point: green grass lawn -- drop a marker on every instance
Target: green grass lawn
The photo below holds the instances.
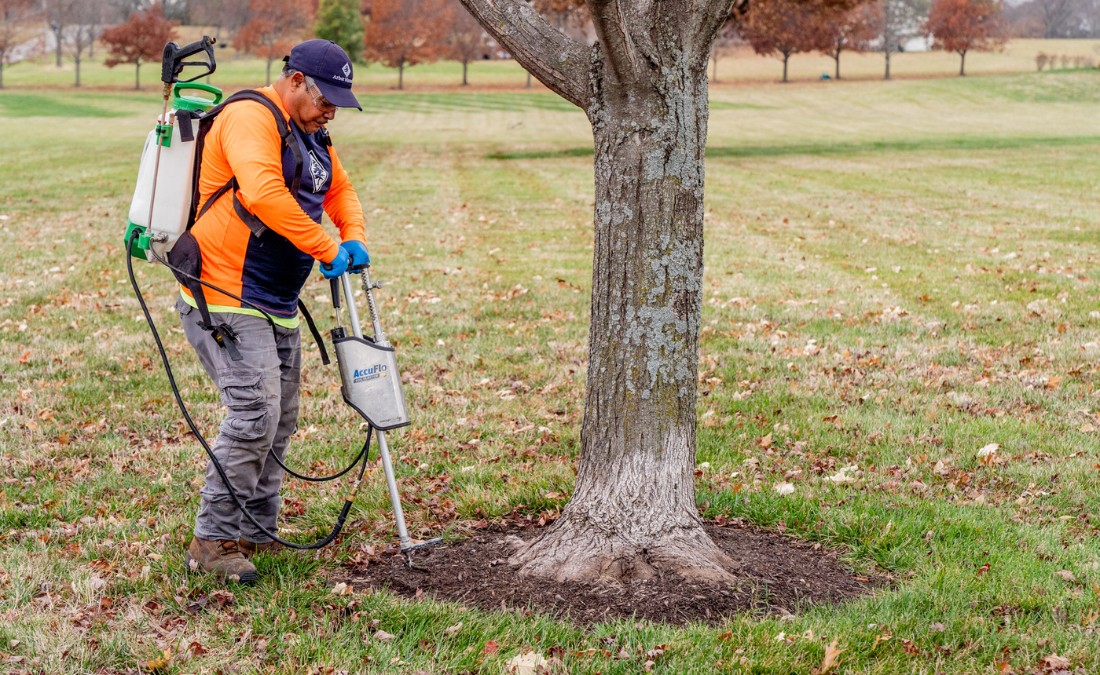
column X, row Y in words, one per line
column 899, row 276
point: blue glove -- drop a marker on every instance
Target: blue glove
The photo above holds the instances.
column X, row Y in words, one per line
column 358, row 253
column 338, row 266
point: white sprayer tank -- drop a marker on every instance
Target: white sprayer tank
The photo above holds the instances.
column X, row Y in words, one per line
column 163, row 212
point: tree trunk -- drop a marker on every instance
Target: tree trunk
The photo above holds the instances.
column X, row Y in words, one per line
column 633, row 512
column 401, row 74
column 644, row 88
column 57, row 51
column 714, row 70
column 962, row 64
column 137, row 76
column 77, row 61
column 465, row 66
column 837, row 59
column 528, row 80
column 1, row 70
column 887, row 75
column 786, row 58
column 269, row 60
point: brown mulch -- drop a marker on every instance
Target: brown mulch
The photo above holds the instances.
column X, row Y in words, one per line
column 778, row 574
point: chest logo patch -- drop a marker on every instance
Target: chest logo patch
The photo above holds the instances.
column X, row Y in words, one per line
column 317, row 172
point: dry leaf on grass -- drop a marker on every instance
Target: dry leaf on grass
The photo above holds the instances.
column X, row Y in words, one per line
column 832, row 653
column 527, row 663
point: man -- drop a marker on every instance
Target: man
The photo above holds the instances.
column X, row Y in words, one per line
column 259, row 241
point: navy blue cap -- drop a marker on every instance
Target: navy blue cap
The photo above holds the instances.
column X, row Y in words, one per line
column 329, row 66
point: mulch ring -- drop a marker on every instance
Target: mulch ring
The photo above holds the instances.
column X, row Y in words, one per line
column 778, row 575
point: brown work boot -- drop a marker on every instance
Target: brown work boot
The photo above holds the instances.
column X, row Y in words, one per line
column 221, row 558
column 251, row 548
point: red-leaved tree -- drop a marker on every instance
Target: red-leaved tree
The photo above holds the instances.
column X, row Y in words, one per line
column 961, row 26
column 141, row 39
column 401, row 33
column 784, row 28
column 273, row 27
column 851, row 29
column 465, row 39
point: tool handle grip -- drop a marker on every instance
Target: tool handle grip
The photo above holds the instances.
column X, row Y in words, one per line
column 334, row 286
column 172, row 60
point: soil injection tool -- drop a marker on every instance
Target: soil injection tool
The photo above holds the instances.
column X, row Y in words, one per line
column 161, row 211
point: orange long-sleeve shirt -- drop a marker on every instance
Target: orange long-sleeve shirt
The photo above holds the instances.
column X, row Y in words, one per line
column 269, row 271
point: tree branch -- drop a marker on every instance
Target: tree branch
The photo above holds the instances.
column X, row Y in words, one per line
column 713, row 13
column 558, row 61
column 614, row 38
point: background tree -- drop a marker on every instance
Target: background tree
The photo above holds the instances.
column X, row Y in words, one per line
column 785, row 27
column 568, row 16
column 140, row 39
column 401, row 33
column 58, row 14
column 342, row 22
column 901, row 19
column 82, row 20
column 230, row 15
column 727, row 39
column 849, row 28
column 961, row 26
column 273, row 28
column 465, row 39
column 16, row 19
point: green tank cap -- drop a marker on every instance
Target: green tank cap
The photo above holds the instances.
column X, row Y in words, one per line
column 182, row 101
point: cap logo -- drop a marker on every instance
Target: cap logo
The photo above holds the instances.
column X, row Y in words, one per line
column 347, row 70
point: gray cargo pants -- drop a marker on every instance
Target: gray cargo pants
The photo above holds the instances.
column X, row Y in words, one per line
column 260, row 395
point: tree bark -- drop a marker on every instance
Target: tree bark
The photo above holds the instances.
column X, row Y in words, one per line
column 401, row 74
column 644, row 88
column 137, row 76
column 465, row 65
column 887, row 75
column 786, row 58
column 837, row 59
column 962, row 64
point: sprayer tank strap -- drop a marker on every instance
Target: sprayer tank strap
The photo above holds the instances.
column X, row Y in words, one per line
column 286, row 136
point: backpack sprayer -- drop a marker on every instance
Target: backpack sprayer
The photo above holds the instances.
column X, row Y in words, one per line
column 162, row 211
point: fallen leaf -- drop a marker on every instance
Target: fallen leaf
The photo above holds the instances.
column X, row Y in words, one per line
column 765, row 442
column 383, row 636
column 491, row 647
column 527, row 663
column 1004, row 668
column 983, row 569
column 1066, row 575
column 25, row 357
column 784, row 488
column 1055, row 662
column 832, row 652
column 160, row 663
column 451, row 630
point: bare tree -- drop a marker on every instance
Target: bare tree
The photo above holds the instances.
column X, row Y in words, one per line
column 230, row 15
column 15, row 16
column 465, row 39
column 901, row 19
column 643, row 87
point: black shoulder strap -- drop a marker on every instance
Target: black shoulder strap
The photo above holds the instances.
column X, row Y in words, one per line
column 285, row 135
column 313, row 329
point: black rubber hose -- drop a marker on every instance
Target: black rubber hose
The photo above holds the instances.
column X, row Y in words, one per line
column 206, row 446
